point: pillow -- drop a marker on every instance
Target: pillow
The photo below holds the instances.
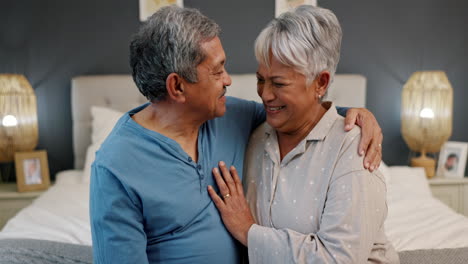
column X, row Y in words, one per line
column 104, row 120
column 90, row 156
column 408, row 183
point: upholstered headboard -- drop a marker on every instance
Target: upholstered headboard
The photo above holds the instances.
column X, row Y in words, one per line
column 120, row 93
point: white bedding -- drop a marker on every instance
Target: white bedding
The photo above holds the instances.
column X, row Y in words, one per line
column 415, row 219
column 60, row 214
column 424, row 224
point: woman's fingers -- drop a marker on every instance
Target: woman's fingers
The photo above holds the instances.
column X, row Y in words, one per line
column 216, row 199
column 228, row 178
column 237, row 181
column 236, row 214
column 374, row 152
column 228, row 181
column 223, row 188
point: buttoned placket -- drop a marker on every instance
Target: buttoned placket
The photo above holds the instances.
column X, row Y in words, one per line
column 199, row 168
column 278, row 166
column 272, row 160
column 198, row 165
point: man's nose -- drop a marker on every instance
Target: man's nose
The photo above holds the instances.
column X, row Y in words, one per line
column 227, row 79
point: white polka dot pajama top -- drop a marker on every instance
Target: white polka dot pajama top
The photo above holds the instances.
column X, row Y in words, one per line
column 317, row 205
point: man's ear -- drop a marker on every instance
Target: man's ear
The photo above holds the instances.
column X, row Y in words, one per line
column 175, row 87
column 322, row 82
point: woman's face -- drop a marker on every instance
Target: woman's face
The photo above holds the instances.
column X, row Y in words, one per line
column 288, row 101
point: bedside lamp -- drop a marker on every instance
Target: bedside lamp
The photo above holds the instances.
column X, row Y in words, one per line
column 18, row 116
column 426, row 115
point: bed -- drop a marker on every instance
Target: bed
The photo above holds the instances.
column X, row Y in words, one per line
column 55, row 228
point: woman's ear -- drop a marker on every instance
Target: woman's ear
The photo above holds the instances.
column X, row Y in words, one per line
column 322, row 83
column 175, row 86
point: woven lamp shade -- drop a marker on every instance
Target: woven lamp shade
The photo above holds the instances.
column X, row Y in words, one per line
column 18, row 116
column 426, row 112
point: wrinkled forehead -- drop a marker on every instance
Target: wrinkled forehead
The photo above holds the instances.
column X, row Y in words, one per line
column 213, row 52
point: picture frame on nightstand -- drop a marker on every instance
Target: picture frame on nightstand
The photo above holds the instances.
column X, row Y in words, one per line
column 32, row 171
column 452, row 159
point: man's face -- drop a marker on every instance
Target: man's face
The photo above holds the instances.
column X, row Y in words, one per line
column 206, row 97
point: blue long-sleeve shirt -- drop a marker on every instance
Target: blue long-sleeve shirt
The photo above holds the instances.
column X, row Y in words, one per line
column 149, row 200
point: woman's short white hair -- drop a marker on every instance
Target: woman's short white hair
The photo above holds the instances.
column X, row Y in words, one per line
column 307, row 38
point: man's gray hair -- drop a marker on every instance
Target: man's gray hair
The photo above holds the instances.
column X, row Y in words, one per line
column 169, row 42
column 307, row 39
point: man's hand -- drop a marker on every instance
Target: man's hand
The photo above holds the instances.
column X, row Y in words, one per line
column 371, row 136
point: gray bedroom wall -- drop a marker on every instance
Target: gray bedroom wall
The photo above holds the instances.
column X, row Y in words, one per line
column 52, row 41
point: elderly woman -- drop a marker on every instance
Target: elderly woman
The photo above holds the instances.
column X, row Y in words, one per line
column 311, row 198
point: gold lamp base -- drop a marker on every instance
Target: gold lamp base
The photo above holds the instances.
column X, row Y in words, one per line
column 427, row 163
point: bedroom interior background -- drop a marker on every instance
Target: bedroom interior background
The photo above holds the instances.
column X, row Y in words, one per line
column 18, row 120
column 52, row 41
column 426, row 116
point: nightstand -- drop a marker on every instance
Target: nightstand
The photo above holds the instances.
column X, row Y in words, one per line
column 451, row 191
column 12, row 201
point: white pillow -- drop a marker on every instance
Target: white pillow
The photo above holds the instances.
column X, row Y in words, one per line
column 104, row 120
column 408, row 183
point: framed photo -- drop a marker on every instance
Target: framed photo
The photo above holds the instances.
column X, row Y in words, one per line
column 148, row 7
column 282, row 6
column 452, row 159
column 32, row 171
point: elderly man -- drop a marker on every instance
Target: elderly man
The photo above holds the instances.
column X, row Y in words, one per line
column 149, row 200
